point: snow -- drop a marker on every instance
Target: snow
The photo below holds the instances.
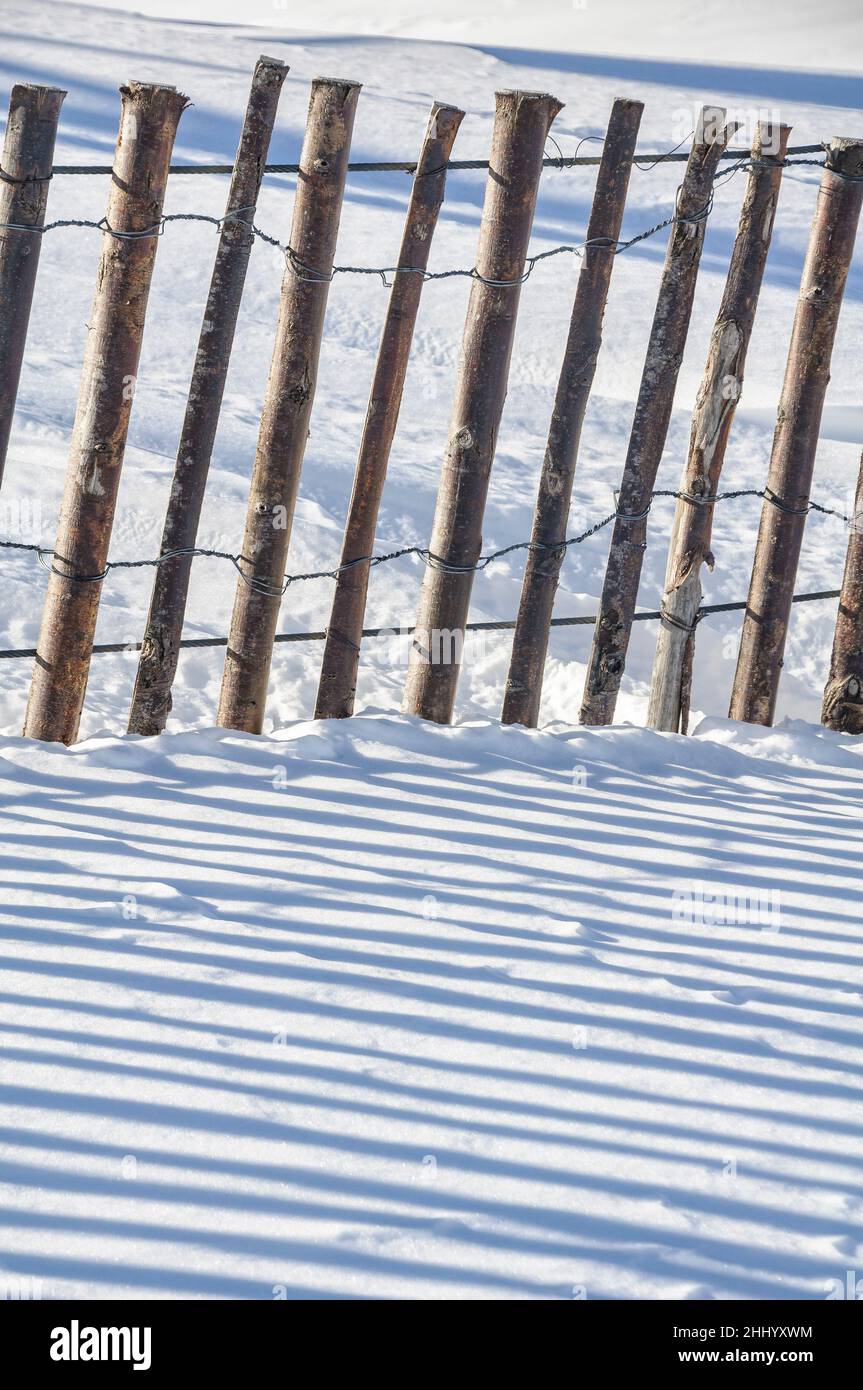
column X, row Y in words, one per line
column 389, row 1010
column 379, row 1009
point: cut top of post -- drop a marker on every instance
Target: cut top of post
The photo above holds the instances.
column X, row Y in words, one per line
column 770, row 140
column 149, row 116
column 845, row 157
column 325, row 137
column 20, row 88
column 522, row 122
column 28, row 143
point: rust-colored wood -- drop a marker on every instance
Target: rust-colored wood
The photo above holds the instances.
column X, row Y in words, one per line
column 288, row 403
column 789, row 477
column 522, row 122
column 843, row 695
column 160, row 651
column 542, row 570
column 650, row 425
column 338, row 679
column 25, row 174
column 148, row 125
column 712, row 418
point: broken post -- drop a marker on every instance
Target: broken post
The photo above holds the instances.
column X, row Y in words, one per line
column 288, row 403
column 652, row 415
column 148, row 125
column 25, row 175
column 542, row 570
column 338, row 679
column 160, row 650
column 717, row 400
column 789, row 477
column 842, row 709
column 522, row 122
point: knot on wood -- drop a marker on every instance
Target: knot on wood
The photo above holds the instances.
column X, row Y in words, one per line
column 461, row 441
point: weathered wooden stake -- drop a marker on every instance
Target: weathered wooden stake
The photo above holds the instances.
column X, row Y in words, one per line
column 843, row 694
column 522, row 122
column 530, row 641
column 151, row 701
column 148, row 125
column 288, row 403
column 717, row 399
column 789, row 477
column 25, row 174
column 652, row 414
column 338, row 680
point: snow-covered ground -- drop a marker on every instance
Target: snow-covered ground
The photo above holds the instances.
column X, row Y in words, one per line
column 387, row 1010
column 383, row 1009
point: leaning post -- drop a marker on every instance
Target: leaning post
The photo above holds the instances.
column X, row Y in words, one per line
column 842, row 709
column 338, row 678
column 652, row 415
column 712, row 418
column 160, row 649
column 542, row 570
column 25, row 176
column 521, row 126
column 288, row 403
column 148, row 125
column 792, row 462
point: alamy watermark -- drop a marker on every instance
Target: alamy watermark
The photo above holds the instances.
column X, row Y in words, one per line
column 727, row 905
column 21, row 519
column 706, row 123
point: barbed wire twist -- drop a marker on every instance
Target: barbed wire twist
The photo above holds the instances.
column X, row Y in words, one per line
column 422, row 552
column 304, row 271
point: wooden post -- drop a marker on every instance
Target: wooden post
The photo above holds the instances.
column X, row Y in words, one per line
column 25, row 174
column 148, row 125
column 717, row 399
column 789, row 477
column 338, row 679
column 288, row 403
column 650, row 425
column 530, row 640
column 160, row 650
column 522, row 122
column 842, row 709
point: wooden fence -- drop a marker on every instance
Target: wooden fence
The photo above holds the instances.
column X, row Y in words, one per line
column 133, row 222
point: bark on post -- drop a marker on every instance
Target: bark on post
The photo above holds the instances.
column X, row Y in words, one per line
column 338, row 679
column 650, row 425
column 288, row 403
column 148, row 125
column 160, row 651
column 789, row 477
column 25, row 174
column 842, row 709
column 522, row 122
column 530, row 640
column 717, row 399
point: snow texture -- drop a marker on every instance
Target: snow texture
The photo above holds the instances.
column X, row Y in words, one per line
column 389, row 1010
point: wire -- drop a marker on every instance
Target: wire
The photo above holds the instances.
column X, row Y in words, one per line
column 505, row 625
column 433, row 561
column 409, row 166
column 303, row 271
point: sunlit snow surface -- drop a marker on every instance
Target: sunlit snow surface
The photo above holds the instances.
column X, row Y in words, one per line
column 394, row 1010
